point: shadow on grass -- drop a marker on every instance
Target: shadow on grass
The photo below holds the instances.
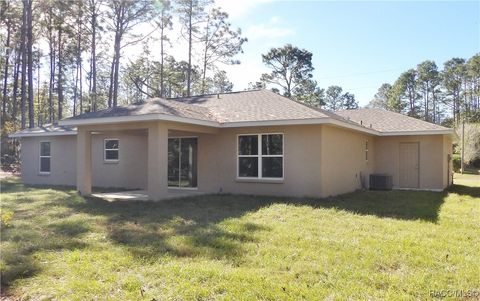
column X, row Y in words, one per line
column 35, row 228
column 191, row 227
column 182, row 227
column 20, row 243
column 465, row 190
column 397, row 204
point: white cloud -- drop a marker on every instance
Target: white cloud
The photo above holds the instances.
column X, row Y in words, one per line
column 274, row 20
column 239, row 8
column 248, row 71
column 272, row 29
column 267, row 31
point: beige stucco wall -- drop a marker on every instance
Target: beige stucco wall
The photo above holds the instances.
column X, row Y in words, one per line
column 343, row 162
column 217, row 167
column 319, row 160
column 131, row 169
column 129, row 172
column 432, row 159
column 62, row 162
column 447, row 164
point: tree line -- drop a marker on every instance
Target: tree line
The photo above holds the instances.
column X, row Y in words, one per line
column 443, row 96
column 291, row 75
column 64, row 58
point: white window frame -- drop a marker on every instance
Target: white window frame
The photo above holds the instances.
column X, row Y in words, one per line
column 259, row 155
column 110, row 149
column 40, row 160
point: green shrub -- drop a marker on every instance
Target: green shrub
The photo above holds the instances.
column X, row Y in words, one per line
column 6, row 218
column 456, row 160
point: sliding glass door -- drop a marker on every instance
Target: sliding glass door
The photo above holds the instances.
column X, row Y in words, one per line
column 182, row 162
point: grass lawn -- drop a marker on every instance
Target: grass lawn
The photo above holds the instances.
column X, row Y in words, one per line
column 365, row 245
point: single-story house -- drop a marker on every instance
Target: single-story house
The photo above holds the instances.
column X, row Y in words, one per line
column 250, row 142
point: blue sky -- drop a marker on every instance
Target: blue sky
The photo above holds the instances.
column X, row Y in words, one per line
column 356, row 45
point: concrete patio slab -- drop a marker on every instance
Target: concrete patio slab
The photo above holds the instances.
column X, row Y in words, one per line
column 142, row 195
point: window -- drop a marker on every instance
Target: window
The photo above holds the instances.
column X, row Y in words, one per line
column 182, row 162
column 366, row 150
column 260, row 156
column 45, row 156
column 111, row 150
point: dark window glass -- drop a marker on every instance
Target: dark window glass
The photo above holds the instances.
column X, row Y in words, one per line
column 173, row 162
column 45, row 164
column 188, row 162
column 248, row 167
column 111, row 144
column 272, row 167
column 272, row 144
column 248, row 145
column 182, row 162
column 111, row 155
column 45, row 149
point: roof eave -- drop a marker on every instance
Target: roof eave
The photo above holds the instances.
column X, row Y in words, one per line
column 165, row 117
column 42, row 134
column 236, row 124
column 138, row 118
column 418, row 133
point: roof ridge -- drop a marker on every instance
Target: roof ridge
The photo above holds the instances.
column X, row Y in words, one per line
column 213, row 94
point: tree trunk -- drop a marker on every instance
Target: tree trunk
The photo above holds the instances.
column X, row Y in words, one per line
column 60, row 79
column 112, row 91
column 23, row 83
column 162, row 54
column 51, row 80
column 454, row 110
column 189, row 71
column 116, row 73
column 93, row 65
column 78, row 62
column 39, row 103
column 205, row 53
column 15, row 90
column 31, row 111
column 412, row 105
column 5, row 75
column 75, row 89
column 426, row 103
column 81, row 88
column 110, row 88
column 434, row 108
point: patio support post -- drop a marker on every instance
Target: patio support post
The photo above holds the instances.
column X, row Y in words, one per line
column 157, row 161
column 84, row 162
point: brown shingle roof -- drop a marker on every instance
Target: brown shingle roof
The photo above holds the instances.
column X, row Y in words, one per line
column 228, row 109
column 46, row 129
column 387, row 121
column 152, row 106
column 255, row 105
